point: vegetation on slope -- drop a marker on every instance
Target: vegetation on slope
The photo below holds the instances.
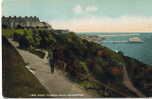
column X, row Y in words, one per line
column 17, row 80
column 95, row 67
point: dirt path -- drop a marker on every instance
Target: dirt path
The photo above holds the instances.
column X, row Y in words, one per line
column 127, row 82
column 55, row 83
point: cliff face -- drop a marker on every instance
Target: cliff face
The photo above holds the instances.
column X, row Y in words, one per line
column 17, row 80
column 23, row 22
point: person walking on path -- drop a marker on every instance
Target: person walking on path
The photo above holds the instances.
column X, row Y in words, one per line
column 52, row 58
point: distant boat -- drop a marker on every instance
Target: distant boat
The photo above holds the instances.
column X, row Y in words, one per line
column 116, row 51
column 135, row 40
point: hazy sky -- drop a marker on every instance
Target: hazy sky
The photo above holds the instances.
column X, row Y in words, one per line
column 87, row 15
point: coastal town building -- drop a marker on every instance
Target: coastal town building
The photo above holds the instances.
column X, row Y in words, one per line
column 24, row 22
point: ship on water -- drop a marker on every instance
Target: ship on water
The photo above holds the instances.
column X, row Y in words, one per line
column 135, row 40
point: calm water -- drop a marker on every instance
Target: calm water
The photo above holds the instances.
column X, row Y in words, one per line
column 140, row 51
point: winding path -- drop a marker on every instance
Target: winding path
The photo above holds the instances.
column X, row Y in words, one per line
column 127, row 82
column 56, row 83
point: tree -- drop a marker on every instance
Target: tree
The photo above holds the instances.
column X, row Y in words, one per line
column 19, row 27
column 16, row 36
column 24, row 42
column 4, row 26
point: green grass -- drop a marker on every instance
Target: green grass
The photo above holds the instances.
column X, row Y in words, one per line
column 9, row 32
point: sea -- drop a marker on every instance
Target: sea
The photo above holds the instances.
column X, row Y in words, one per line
column 118, row 42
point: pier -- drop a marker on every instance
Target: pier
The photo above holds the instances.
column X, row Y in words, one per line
column 115, row 41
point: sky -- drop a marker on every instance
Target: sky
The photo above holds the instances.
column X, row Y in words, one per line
column 86, row 15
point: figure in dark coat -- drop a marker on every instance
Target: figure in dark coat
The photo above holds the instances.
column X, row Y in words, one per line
column 52, row 59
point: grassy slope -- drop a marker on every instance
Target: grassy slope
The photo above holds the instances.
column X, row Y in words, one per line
column 104, row 66
column 140, row 75
column 9, row 32
column 17, row 80
column 93, row 65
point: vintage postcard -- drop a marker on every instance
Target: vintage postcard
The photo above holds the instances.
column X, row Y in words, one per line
column 76, row 48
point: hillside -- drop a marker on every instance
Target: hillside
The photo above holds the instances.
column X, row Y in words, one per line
column 56, row 83
column 94, row 67
column 17, row 80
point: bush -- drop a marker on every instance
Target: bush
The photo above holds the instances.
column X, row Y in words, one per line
column 16, row 36
column 24, row 42
column 83, row 67
column 29, row 38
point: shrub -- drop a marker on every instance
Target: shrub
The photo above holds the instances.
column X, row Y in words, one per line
column 16, row 36
column 83, row 67
column 24, row 42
